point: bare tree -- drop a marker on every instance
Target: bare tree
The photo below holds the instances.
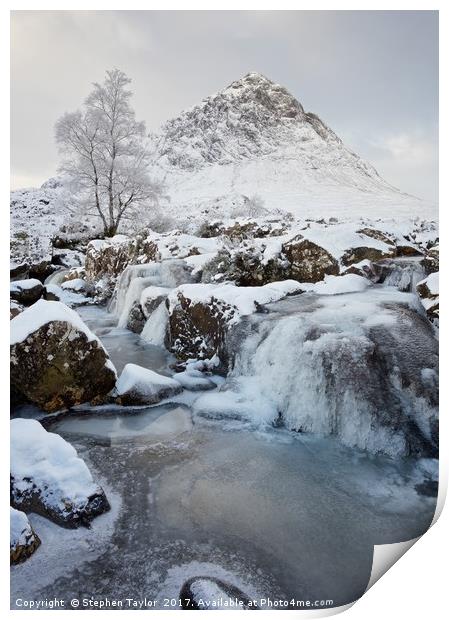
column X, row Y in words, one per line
column 106, row 154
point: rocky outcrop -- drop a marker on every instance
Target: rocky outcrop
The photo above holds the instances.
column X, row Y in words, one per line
column 109, row 257
column 212, row 593
column 48, row 477
column 56, row 361
column 308, row 261
column 23, row 539
column 245, row 229
column 26, row 292
column 245, row 267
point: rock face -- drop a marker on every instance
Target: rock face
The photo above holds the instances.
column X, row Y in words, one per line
column 309, row 262
column 56, row 362
column 48, row 477
column 109, row 257
column 211, row 593
column 23, row 539
column 26, row 292
column 141, row 386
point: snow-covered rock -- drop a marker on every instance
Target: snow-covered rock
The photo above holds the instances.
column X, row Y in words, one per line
column 23, row 539
column 26, row 292
column 109, row 257
column 142, row 386
column 213, row 594
column 56, row 361
column 201, row 314
column 14, row 309
column 309, row 261
column 429, row 294
column 48, row 477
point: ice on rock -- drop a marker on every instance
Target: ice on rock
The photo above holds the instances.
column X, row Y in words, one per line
column 336, row 365
column 141, row 386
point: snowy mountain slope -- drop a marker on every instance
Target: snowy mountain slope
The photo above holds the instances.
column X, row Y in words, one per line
column 254, row 138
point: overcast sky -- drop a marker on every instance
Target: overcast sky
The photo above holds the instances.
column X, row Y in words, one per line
column 372, row 76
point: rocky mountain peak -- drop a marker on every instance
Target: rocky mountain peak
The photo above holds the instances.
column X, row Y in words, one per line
column 264, row 92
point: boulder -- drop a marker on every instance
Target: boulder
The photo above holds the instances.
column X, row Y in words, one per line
column 26, row 292
column 150, row 299
column 19, row 271
column 361, row 253
column 200, row 315
column 213, row 594
column 428, row 291
column 48, row 477
column 56, row 361
column 23, row 539
column 142, row 386
column 309, row 262
column 136, row 318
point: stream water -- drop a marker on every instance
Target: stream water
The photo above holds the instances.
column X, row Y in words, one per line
column 279, row 514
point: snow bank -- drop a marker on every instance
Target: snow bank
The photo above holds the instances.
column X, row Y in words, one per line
column 43, row 312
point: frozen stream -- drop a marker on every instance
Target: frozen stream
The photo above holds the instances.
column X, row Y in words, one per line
column 277, row 513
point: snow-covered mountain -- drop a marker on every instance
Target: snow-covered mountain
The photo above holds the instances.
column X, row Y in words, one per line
column 254, row 139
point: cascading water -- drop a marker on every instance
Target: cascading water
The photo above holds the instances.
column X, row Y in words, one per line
column 135, row 278
column 360, row 366
column 404, row 273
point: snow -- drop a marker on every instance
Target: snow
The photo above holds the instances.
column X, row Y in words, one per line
column 336, row 285
column 20, row 528
column 144, row 381
column 23, row 285
column 212, row 164
column 43, row 312
column 242, row 298
column 77, row 284
column 67, row 297
column 46, row 461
